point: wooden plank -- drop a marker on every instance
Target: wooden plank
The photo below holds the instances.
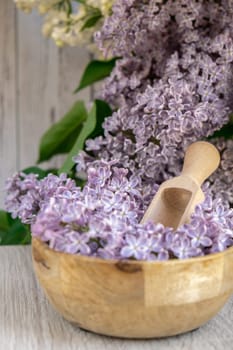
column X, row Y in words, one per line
column 71, row 64
column 8, row 115
column 47, row 77
column 37, row 86
column 28, row 322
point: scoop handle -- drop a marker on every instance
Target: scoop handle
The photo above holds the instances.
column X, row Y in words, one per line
column 201, row 160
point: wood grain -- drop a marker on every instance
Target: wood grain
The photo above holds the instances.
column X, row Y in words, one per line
column 28, row 322
column 47, row 78
column 134, row 299
column 176, row 199
column 37, row 64
column 37, row 83
column 8, row 116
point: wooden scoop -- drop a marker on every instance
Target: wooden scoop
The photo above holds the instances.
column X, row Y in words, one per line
column 176, row 199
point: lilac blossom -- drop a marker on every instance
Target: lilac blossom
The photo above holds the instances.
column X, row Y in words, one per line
column 27, row 194
column 103, row 219
column 221, row 181
column 172, row 85
column 134, row 247
column 78, row 243
column 183, row 249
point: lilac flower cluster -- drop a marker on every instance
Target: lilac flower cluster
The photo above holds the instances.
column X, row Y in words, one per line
column 222, row 180
column 154, row 31
column 173, row 84
column 26, row 194
column 102, row 220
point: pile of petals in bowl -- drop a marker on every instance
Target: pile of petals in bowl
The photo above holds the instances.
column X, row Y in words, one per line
column 103, row 218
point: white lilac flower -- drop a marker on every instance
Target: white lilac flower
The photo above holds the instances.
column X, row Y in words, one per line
column 25, row 5
column 65, row 20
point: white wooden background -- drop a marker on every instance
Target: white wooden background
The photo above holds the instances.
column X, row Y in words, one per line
column 36, row 84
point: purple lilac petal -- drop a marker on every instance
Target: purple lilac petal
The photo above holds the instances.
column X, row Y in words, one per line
column 172, row 86
column 75, row 221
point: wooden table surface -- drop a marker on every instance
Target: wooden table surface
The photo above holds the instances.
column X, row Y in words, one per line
column 27, row 321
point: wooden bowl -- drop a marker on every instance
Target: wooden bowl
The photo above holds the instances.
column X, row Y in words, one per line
column 134, row 299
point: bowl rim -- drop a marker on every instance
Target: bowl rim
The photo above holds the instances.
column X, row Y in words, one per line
column 89, row 259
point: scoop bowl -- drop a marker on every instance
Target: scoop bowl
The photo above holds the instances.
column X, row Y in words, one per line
column 134, row 299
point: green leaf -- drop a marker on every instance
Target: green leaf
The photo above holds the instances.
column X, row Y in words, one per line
column 35, row 170
column 97, row 115
column 40, row 172
column 68, row 143
column 18, row 234
column 4, row 224
column 226, row 131
column 96, row 71
column 91, row 20
column 12, row 231
column 62, row 135
column 91, row 128
column 80, row 182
